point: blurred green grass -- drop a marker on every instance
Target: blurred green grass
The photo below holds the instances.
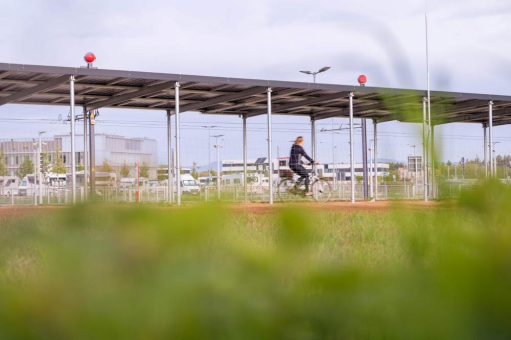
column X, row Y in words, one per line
column 97, row 272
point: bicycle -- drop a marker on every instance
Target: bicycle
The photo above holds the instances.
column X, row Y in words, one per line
column 289, row 190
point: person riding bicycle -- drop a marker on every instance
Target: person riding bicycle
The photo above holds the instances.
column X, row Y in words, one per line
column 295, row 163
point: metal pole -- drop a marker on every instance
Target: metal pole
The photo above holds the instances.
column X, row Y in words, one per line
column 34, row 186
column 39, row 151
column 432, row 158
column 313, row 144
column 375, row 124
column 270, row 162
column 364, row 158
column 245, row 178
column 415, row 161
column 313, row 139
column 85, row 165
column 178, row 160
column 352, row 151
column 371, row 192
column 490, row 129
column 209, row 153
column 73, row 154
column 218, row 171
column 485, row 143
column 333, row 155
column 92, row 156
column 425, row 149
column 170, row 177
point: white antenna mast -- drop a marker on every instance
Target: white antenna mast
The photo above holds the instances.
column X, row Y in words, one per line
column 427, row 65
column 428, row 155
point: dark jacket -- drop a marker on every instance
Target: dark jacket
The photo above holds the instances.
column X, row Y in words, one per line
column 296, row 156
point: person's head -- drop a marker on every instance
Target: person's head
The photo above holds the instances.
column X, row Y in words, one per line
column 299, row 140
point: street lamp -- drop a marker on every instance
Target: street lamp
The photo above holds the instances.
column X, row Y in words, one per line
column 218, row 177
column 209, row 127
column 415, row 161
column 324, row 69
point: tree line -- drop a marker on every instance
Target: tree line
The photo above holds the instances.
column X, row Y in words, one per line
column 56, row 165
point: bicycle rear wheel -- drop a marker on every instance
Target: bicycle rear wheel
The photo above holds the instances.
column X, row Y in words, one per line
column 321, row 189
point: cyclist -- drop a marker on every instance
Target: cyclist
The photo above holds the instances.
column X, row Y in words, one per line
column 295, row 163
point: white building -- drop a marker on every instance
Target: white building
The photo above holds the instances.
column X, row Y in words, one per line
column 117, row 150
column 342, row 170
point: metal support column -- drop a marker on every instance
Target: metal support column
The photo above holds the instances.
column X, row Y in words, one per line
column 73, row 153
column 432, row 159
column 485, row 147
column 375, row 158
column 270, row 160
column 178, row 159
column 352, row 151
column 313, row 139
column 39, row 163
column 92, row 156
column 170, row 173
column 424, row 149
column 218, row 170
column 85, row 163
column 490, row 135
column 364, row 158
column 245, row 179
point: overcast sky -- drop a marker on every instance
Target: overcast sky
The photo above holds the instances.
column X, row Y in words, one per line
column 270, row 40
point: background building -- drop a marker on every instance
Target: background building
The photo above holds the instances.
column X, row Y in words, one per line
column 342, row 170
column 116, row 150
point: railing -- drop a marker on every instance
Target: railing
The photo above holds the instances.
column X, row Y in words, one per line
column 255, row 194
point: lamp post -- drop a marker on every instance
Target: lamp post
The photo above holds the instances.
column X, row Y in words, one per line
column 415, row 163
column 35, row 174
column 321, row 70
column 39, row 151
column 371, row 167
column 218, row 170
column 209, row 127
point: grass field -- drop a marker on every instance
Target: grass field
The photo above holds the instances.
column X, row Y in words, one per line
column 214, row 272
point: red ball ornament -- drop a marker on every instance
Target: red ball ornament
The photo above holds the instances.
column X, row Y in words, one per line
column 89, row 57
column 362, row 79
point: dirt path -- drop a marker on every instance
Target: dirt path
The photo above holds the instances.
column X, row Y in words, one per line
column 374, row 207
column 255, row 208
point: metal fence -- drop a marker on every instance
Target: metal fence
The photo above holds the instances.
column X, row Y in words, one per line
column 256, row 194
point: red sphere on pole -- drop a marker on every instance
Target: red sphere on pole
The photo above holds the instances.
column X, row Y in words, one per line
column 362, row 79
column 89, row 57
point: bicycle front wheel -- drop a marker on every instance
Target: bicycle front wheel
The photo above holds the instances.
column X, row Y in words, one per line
column 321, row 189
column 287, row 191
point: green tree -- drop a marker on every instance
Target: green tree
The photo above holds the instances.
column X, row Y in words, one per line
column 26, row 167
column 3, row 167
column 144, row 170
column 46, row 166
column 105, row 167
column 161, row 173
column 125, row 170
column 194, row 172
column 81, row 167
column 58, row 166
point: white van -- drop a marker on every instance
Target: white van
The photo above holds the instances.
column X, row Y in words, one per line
column 128, row 182
column 27, row 186
column 189, row 185
column 9, row 185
